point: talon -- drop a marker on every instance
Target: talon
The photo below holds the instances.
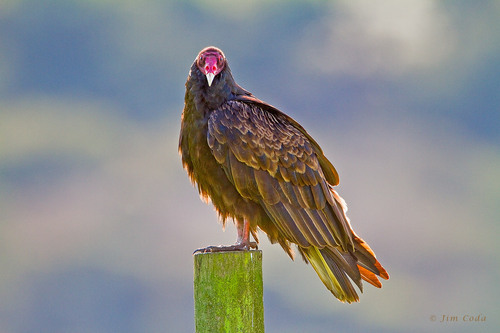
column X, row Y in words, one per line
column 253, row 245
column 202, row 250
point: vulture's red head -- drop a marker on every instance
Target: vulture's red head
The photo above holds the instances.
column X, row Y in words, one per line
column 211, row 61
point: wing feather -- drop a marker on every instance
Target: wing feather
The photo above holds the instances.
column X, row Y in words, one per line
column 320, row 223
column 282, row 219
column 267, row 186
column 319, row 197
column 288, row 194
column 321, row 239
column 307, row 196
column 313, row 235
column 244, row 182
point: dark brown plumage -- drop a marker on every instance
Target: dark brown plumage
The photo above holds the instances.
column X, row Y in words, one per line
column 262, row 169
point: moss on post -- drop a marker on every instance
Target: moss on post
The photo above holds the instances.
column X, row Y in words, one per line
column 228, row 295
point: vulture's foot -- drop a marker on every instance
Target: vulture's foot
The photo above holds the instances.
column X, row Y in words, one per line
column 246, row 246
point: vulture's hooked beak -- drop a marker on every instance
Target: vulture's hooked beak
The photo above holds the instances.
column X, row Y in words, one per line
column 210, row 78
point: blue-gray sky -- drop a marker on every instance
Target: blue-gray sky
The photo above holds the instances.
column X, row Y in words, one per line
column 98, row 220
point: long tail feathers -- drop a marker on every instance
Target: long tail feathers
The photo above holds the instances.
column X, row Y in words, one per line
column 332, row 271
column 368, row 262
column 337, row 268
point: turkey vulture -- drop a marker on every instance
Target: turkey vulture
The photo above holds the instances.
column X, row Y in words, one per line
column 261, row 168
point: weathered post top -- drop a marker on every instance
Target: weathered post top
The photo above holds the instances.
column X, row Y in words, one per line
column 228, row 292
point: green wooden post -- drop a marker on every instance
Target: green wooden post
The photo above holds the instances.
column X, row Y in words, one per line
column 228, row 295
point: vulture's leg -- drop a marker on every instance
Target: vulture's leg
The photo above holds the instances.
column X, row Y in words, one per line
column 243, row 242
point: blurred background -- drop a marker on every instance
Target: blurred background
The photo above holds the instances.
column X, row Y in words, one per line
column 98, row 220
